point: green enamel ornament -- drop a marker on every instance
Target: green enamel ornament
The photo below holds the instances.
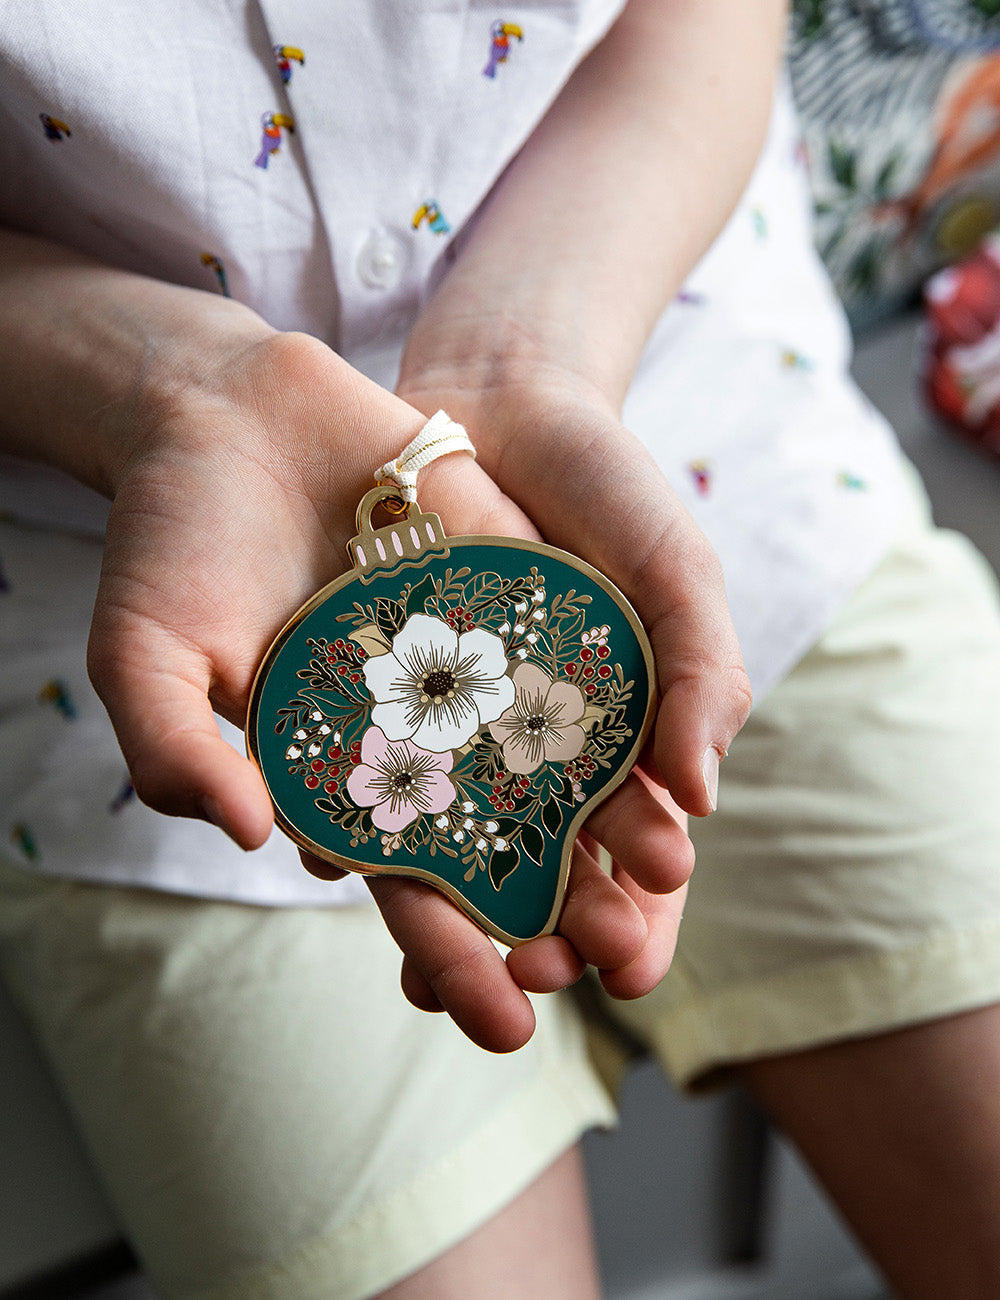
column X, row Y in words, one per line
column 453, row 708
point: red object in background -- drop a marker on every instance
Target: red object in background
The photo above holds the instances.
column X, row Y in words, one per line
column 961, row 363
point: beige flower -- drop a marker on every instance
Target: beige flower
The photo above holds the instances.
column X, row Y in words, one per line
column 543, row 723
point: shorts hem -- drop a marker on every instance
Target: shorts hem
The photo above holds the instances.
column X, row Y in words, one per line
column 419, row 1222
column 699, row 1041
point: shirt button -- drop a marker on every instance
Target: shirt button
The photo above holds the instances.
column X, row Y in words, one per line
column 381, row 260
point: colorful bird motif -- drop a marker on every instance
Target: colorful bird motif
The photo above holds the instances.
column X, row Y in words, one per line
column 270, row 141
column 500, row 34
column 284, row 56
column 25, row 841
column 53, row 128
column 432, row 214
column 701, row 473
column 124, row 796
column 57, row 693
column 211, row 261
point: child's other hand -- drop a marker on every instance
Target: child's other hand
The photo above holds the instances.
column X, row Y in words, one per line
column 556, row 448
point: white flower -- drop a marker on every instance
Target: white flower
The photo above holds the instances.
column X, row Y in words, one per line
column 437, row 687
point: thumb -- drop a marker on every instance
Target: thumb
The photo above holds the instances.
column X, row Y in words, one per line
column 620, row 514
column 156, row 694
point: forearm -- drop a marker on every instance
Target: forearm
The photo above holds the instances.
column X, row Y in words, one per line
column 84, row 344
column 619, row 191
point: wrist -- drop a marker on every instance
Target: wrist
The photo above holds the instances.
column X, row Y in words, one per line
column 118, row 345
column 489, row 362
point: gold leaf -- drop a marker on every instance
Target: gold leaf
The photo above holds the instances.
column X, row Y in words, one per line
column 371, row 639
column 592, row 715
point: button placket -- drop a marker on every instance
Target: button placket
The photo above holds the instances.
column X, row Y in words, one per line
column 381, row 260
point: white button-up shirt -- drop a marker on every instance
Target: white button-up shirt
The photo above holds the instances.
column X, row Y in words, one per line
column 320, row 163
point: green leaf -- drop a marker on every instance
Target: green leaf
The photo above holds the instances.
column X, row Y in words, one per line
column 532, row 842
column 389, row 616
column 843, row 164
column 502, row 863
column 552, row 817
column 418, row 596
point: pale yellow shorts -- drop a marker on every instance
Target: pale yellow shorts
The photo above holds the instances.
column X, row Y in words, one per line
column 273, row 1120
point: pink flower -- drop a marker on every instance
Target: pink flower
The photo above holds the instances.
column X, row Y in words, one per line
column 543, row 723
column 399, row 781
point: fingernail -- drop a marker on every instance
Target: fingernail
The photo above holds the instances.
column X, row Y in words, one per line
column 710, row 775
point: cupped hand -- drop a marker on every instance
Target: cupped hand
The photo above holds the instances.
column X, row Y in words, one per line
column 551, row 439
column 234, row 493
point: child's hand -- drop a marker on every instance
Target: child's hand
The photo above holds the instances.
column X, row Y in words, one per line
column 555, row 447
column 234, row 493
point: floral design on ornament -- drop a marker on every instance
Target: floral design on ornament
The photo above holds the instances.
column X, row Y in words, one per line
column 492, row 773
column 399, row 781
column 543, row 723
column 437, row 687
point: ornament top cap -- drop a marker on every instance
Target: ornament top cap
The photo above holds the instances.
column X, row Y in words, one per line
column 407, row 542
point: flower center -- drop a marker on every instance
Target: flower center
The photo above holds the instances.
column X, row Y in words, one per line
column 437, row 685
column 535, row 724
column 402, row 781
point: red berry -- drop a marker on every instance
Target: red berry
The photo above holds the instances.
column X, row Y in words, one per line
column 509, row 806
column 354, row 677
column 588, row 671
column 317, row 765
column 603, row 652
column 334, row 751
column 571, row 669
column 331, row 787
column 586, row 653
column 604, row 671
column 312, row 782
column 590, row 689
